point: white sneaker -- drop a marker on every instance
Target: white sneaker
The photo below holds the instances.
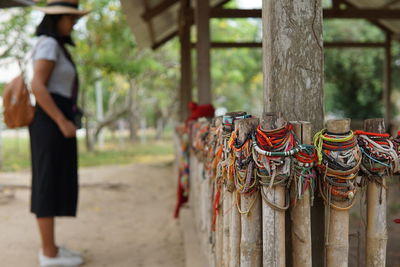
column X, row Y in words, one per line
column 64, row 258
column 66, row 251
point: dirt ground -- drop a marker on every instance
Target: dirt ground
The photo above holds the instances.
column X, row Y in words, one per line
column 357, row 228
column 124, row 219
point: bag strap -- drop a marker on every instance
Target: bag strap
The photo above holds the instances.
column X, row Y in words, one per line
column 28, row 61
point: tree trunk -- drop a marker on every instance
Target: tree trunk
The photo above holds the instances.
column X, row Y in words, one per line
column 293, row 60
column 133, row 118
column 88, row 140
column 293, row 76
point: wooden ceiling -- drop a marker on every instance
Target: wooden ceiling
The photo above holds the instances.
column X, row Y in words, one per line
column 154, row 22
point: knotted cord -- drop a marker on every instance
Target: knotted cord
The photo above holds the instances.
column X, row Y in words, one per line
column 243, row 170
column 303, row 173
column 200, row 134
column 379, row 157
column 224, row 165
column 271, row 149
column 339, row 160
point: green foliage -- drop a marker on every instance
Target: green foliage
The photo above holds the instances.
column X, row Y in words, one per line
column 353, row 83
column 353, row 77
column 107, row 54
column 237, row 73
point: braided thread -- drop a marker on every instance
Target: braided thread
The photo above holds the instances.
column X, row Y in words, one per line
column 339, row 160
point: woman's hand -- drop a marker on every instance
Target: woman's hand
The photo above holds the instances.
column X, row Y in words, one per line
column 43, row 70
column 67, row 128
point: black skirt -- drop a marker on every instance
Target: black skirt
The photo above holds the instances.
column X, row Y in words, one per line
column 54, row 164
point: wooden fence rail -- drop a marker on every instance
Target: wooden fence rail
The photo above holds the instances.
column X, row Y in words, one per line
column 240, row 212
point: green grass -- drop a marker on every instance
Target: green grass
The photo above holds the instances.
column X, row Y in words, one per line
column 16, row 153
column 154, row 152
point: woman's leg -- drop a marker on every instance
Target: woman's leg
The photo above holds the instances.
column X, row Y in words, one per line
column 46, row 229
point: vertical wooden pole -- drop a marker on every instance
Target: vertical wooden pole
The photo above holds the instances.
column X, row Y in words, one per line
column 220, row 233
column 301, row 213
column 185, row 92
column 193, row 199
column 337, row 242
column 376, row 240
column 251, row 233
column 273, row 227
column 99, row 111
column 227, row 202
column 202, row 14
column 336, row 4
column 236, row 227
column 213, row 190
column 293, row 59
column 387, row 88
column 293, row 76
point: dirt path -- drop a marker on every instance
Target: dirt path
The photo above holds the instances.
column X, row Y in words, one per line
column 124, row 220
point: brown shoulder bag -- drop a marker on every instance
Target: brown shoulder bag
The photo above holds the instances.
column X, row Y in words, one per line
column 18, row 110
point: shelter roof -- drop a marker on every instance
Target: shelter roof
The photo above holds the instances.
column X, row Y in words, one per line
column 392, row 25
column 154, row 22
column 15, row 3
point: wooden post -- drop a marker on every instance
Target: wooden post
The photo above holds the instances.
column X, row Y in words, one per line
column 220, row 245
column 213, row 235
column 293, row 76
column 301, row 213
column 220, row 233
column 273, row 221
column 250, row 237
column 387, row 88
column 337, row 239
column 193, row 199
column 235, row 220
column 185, row 93
column 202, row 192
column 203, row 51
column 227, row 202
column 376, row 239
column 227, row 216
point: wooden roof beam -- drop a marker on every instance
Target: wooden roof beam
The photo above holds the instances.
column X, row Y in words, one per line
column 235, row 13
column 393, row 2
column 158, row 9
column 326, row 45
column 354, row 44
column 164, row 40
column 353, row 13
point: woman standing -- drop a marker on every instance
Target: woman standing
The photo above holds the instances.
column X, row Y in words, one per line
column 53, row 130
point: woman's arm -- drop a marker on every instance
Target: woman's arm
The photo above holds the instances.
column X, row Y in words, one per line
column 41, row 76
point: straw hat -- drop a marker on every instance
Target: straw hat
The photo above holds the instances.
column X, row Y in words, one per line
column 55, row 7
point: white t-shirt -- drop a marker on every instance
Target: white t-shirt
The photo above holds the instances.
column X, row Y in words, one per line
column 62, row 78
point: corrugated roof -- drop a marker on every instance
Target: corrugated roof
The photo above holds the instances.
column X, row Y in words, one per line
column 160, row 27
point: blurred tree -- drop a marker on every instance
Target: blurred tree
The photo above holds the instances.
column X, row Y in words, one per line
column 353, row 77
column 15, row 34
column 237, row 72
